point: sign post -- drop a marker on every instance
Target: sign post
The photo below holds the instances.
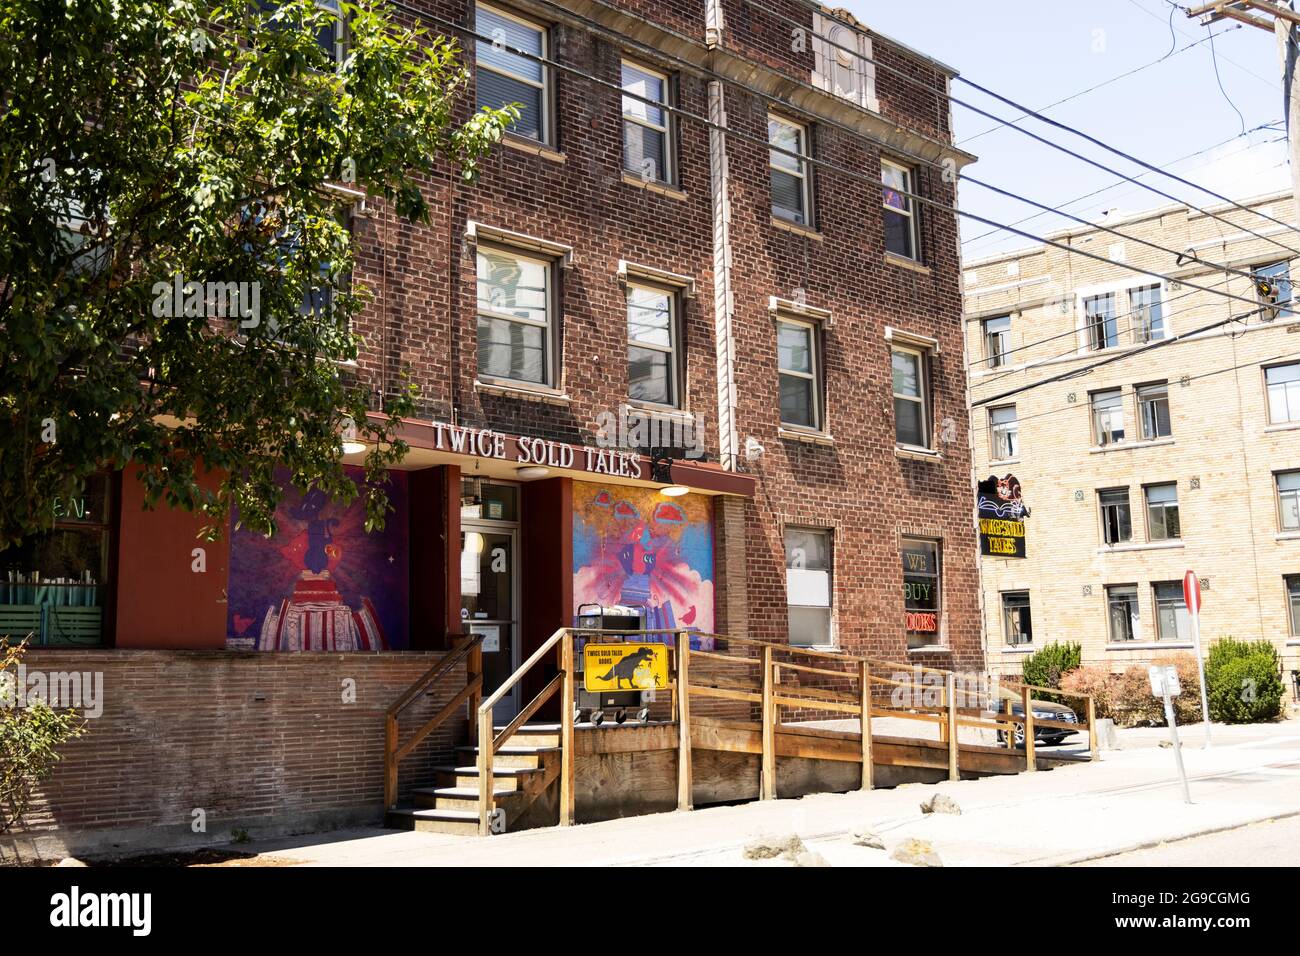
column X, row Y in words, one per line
column 1192, row 598
column 1164, row 683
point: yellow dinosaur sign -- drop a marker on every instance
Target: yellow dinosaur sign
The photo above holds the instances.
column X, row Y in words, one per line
column 609, row 667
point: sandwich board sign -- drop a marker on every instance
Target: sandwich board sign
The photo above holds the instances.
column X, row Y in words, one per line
column 614, row 667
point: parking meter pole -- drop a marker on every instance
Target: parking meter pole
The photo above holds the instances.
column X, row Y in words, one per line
column 1178, row 749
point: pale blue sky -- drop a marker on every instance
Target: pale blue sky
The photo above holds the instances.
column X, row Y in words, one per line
column 1040, row 52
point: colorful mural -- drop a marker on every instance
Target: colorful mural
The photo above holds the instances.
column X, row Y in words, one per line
column 321, row 583
column 635, row 547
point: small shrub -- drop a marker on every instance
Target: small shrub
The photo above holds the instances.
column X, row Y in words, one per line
column 1046, row 667
column 1126, row 697
column 1095, row 680
column 1243, row 682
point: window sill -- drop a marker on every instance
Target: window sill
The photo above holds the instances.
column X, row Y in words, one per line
column 1283, row 427
column 1152, row 646
column 809, row 437
column 807, row 232
column 1142, row 546
column 545, row 395
column 1019, row 649
column 930, row 649
column 1287, row 536
column 1293, row 642
column 532, row 147
column 1002, row 462
column 654, row 186
column 894, row 259
column 821, row 648
column 1126, row 445
column 662, row 411
column 917, row 454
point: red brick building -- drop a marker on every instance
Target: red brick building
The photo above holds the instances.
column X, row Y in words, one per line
column 650, row 247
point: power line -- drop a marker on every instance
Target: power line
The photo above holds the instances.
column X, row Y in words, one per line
column 1263, row 79
column 1214, row 58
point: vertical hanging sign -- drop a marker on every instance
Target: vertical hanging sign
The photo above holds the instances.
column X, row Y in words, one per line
column 1001, row 512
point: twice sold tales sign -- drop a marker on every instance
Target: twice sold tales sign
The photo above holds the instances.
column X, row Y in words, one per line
column 1001, row 511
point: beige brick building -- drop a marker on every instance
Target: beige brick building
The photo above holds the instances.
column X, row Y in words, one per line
column 1183, row 456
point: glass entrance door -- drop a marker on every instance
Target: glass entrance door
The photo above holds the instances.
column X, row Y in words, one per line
column 489, row 600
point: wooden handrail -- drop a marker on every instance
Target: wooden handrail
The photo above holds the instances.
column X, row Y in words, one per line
column 450, row 660
column 521, row 718
column 509, row 683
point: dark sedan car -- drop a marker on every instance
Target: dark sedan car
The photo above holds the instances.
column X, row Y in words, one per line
column 1043, row 710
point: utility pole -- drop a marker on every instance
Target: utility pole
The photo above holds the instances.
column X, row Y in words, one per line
column 1283, row 24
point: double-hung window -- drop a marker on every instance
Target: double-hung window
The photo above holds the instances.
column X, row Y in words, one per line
column 808, row 585
column 1116, row 518
column 647, row 126
column 1146, row 313
column 799, row 370
column 504, row 77
column 1122, row 613
column 652, row 345
column 1108, row 417
column 1162, row 512
column 1172, row 620
column 899, row 209
column 1293, row 602
column 1017, row 624
column 1283, row 385
column 791, row 196
column 1153, row 410
column 1101, row 322
column 1004, row 433
column 1288, row 500
column 911, row 398
column 516, row 317
column 997, row 340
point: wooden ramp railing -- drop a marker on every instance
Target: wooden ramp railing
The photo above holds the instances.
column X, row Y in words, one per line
column 469, row 649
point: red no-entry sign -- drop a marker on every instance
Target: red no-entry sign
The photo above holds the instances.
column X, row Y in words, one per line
column 1192, row 592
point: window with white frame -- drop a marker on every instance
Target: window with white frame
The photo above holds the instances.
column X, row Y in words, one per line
column 1153, row 410
column 791, row 195
column 1163, row 523
column 330, row 35
column 1146, row 313
column 899, row 209
column 799, row 370
column 1282, row 383
column 911, row 397
column 1124, row 623
column 505, row 77
column 516, row 316
column 1116, row 517
column 1288, row 500
column 647, row 126
column 1017, row 623
column 652, row 357
column 1107, row 416
column 922, row 596
column 1293, row 602
column 1101, row 322
column 1004, row 433
column 1276, row 278
column 997, row 341
column 808, row 585
column 1172, row 620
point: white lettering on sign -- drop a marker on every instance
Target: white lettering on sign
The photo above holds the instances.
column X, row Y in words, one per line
column 486, row 443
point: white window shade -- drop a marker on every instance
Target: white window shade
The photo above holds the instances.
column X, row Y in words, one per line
column 808, row 588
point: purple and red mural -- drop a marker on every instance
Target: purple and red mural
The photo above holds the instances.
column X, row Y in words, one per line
column 635, row 547
column 321, row 583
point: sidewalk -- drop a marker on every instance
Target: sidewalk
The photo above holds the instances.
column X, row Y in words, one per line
column 1130, row 799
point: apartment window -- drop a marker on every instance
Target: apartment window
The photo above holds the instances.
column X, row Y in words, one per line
column 329, row 36
column 1004, row 433
column 997, row 340
column 789, row 174
column 647, row 130
column 652, row 345
column 900, row 214
column 1288, row 500
column 1283, row 385
column 1153, row 410
column 1162, row 512
column 1122, row 613
column 1116, row 519
column 515, row 317
column 1100, row 321
column 799, row 370
column 1172, row 620
column 1277, row 274
column 505, row 77
column 921, row 591
column 911, row 398
column 1293, row 602
column 1017, row 623
column 1146, row 313
column 1108, row 417
column 808, row 585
